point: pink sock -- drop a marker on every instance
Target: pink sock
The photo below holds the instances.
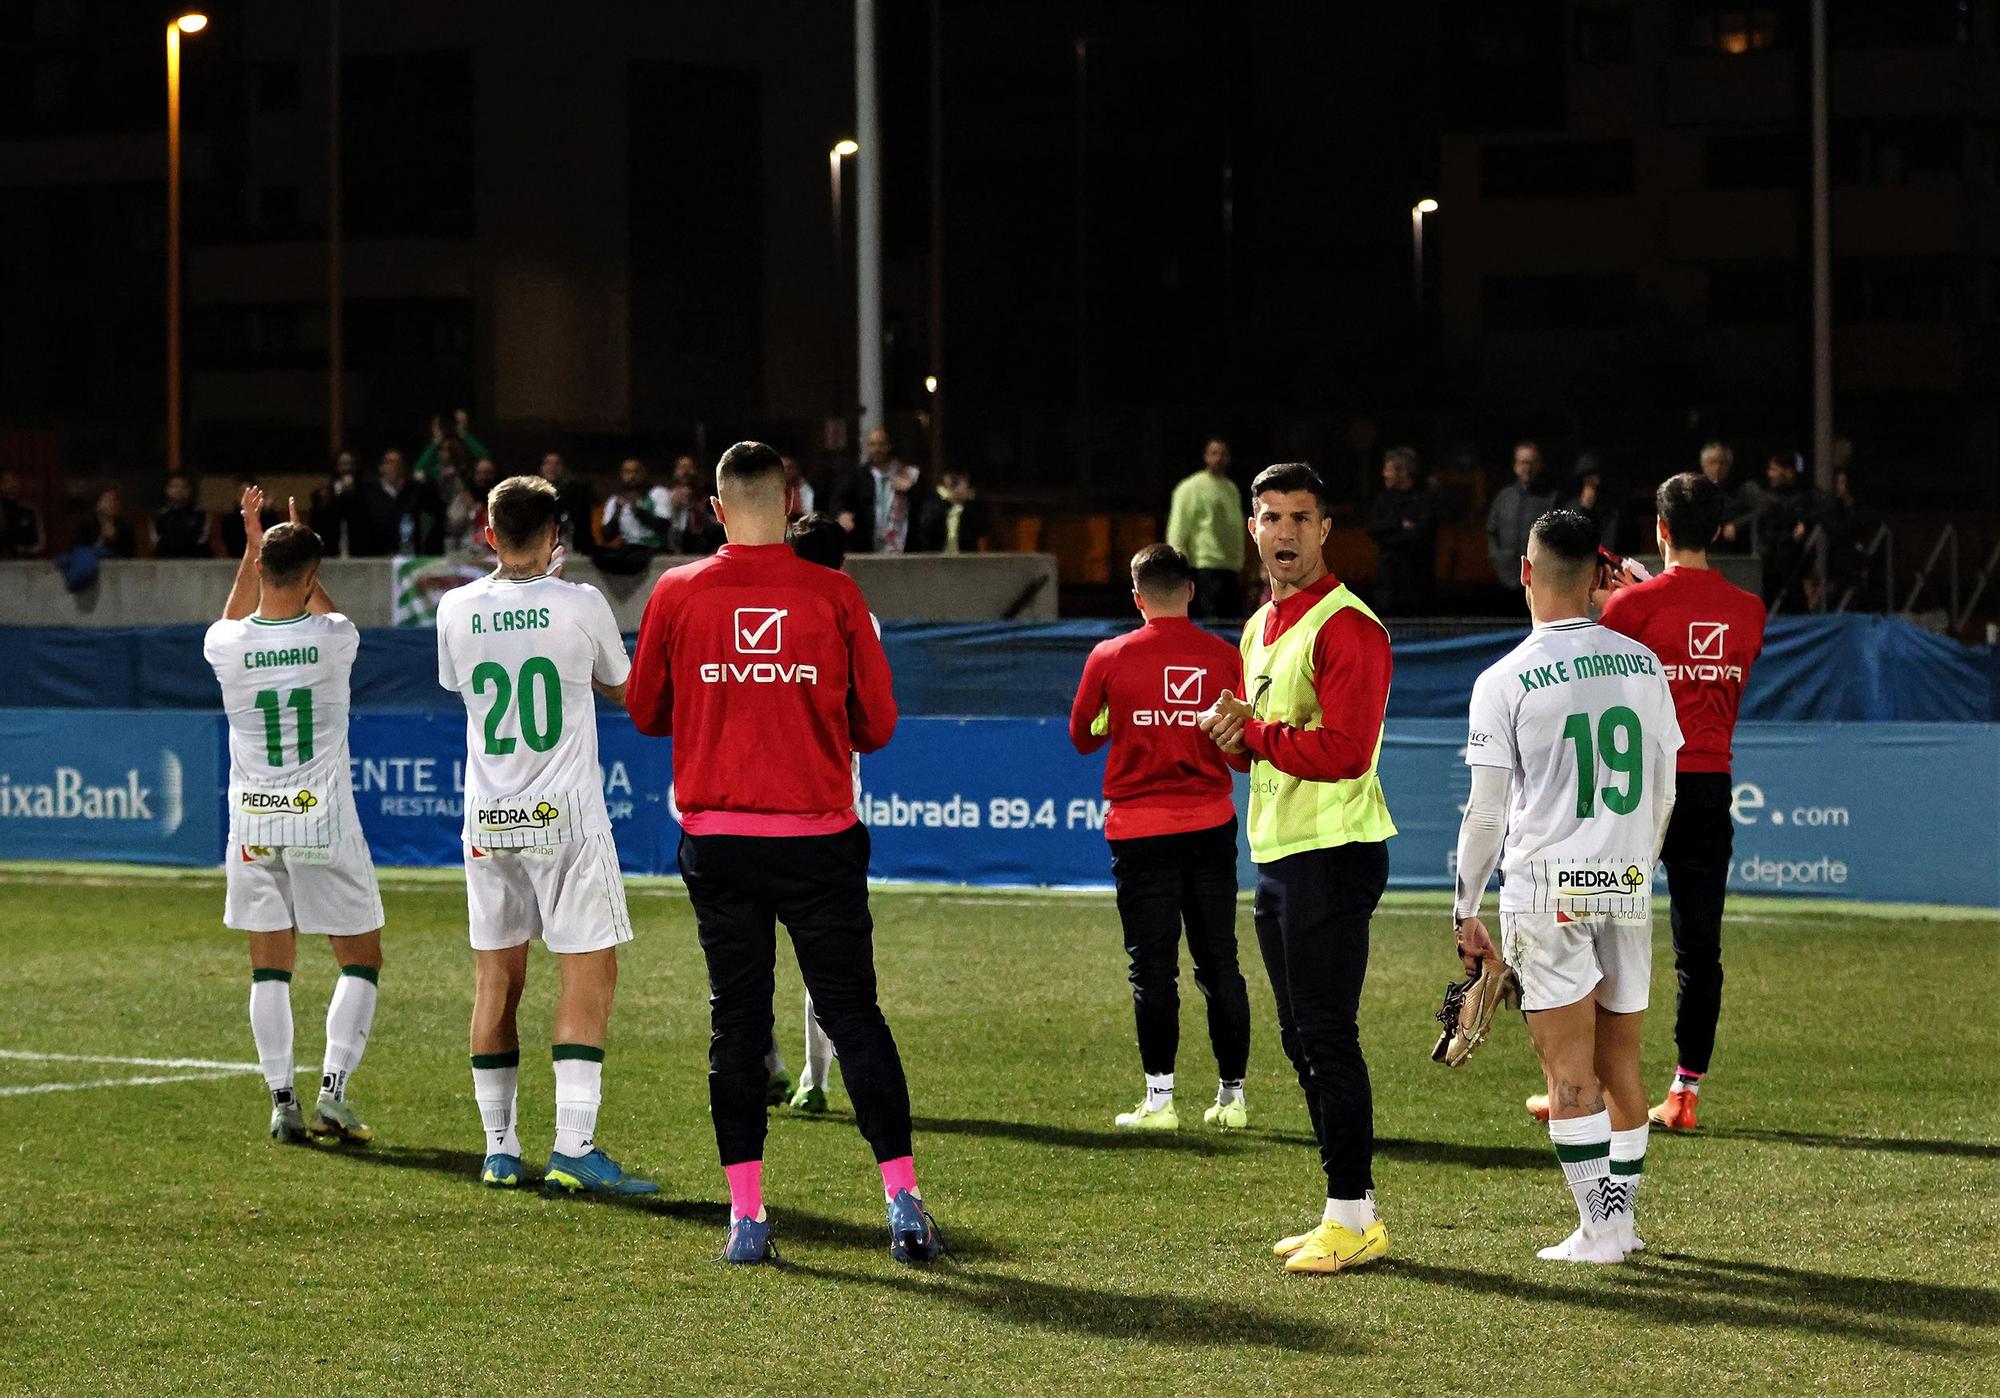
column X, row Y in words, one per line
column 746, row 1189
column 899, row 1174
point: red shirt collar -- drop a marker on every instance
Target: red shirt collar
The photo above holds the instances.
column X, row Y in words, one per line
column 1285, row 614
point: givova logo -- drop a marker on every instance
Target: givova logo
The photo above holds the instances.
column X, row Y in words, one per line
column 68, row 795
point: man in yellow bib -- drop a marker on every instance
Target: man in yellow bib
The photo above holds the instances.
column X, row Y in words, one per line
column 1317, row 666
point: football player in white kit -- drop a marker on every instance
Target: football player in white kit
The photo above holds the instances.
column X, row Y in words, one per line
column 297, row 860
column 1572, row 745
column 525, row 650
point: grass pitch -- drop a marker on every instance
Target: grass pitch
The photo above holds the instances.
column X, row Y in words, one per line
column 1832, row 1228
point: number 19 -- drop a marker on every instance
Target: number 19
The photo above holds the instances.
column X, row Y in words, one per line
column 1618, row 741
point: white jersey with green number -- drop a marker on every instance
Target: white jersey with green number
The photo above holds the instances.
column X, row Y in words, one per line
column 522, row 655
column 1584, row 720
column 285, row 692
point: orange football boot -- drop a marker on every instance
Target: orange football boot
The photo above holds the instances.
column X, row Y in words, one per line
column 1676, row 1113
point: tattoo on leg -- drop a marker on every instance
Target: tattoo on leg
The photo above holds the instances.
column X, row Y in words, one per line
column 1575, row 1099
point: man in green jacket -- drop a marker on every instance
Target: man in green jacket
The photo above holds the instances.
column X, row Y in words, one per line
column 1205, row 522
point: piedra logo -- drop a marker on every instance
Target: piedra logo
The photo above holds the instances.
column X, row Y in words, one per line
column 501, row 817
column 277, row 803
column 1599, row 881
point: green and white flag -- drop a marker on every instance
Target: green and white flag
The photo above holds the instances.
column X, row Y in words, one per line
column 417, row 584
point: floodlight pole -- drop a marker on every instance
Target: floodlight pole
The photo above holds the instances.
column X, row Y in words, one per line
column 867, row 221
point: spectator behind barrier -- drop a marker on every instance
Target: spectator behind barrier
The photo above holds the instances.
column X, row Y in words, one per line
column 573, row 500
column 455, row 428
column 692, row 528
column 1590, row 500
column 404, row 516
column 465, row 513
column 1403, row 522
column 337, row 516
column 874, row 504
column 953, row 519
column 1514, row 512
column 633, row 526
column 1741, row 501
column 21, row 533
column 180, row 527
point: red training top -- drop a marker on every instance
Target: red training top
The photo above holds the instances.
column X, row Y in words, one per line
column 1708, row 632
column 767, row 673
column 1351, row 671
column 1164, row 776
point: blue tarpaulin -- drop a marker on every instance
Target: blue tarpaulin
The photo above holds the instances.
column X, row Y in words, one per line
column 1814, row 669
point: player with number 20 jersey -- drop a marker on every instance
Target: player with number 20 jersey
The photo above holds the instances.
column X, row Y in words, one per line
column 526, row 650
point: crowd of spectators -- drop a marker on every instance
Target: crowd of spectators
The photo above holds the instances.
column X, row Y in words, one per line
column 437, row 506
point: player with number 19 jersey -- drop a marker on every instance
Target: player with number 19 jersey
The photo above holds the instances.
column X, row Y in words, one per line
column 522, row 653
column 297, row 854
column 1583, row 719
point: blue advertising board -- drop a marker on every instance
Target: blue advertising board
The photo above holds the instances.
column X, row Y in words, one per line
column 1874, row 811
column 137, row 786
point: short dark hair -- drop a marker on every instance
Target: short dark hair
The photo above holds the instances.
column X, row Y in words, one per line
column 748, row 465
column 520, row 508
column 1569, row 537
column 289, row 549
column 1691, row 505
column 1160, row 570
column 818, row 538
column 1288, row 476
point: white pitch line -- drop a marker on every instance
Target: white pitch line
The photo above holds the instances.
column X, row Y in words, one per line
column 232, row 1071
column 134, row 1062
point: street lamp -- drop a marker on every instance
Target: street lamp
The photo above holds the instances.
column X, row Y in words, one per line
column 191, row 23
column 843, row 149
column 1417, row 212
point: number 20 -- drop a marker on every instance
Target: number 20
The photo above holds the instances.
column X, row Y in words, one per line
column 540, row 738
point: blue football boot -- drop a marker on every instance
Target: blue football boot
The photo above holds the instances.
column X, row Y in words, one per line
column 913, row 1235
column 749, row 1243
column 595, row 1173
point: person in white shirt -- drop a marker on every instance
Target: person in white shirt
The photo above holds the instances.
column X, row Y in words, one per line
column 637, row 514
column 297, row 859
column 525, row 650
column 1571, row 744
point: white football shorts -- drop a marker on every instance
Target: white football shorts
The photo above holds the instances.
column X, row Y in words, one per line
column 568, row 896
column 325, row 890
column 1560, row 963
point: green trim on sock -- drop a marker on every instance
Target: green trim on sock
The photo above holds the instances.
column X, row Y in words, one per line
column 1570, row 1155
column 267, row 973
column 510, row 1059
column 371, row 974
column 584, row 1051
column 1629, row 1167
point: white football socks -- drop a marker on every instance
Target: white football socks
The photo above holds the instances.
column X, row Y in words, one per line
column 1228, row 1090
column 1355, row 1215
column 495, row 1079
column 819, row 1052
column 271, row 1027
column 579, row 1090
column 1583, row 1146
column 349, row 1016
column 1159, row 1091
column 1628, row 1168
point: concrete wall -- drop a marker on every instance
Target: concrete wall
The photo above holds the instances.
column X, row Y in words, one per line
column 977, row 587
